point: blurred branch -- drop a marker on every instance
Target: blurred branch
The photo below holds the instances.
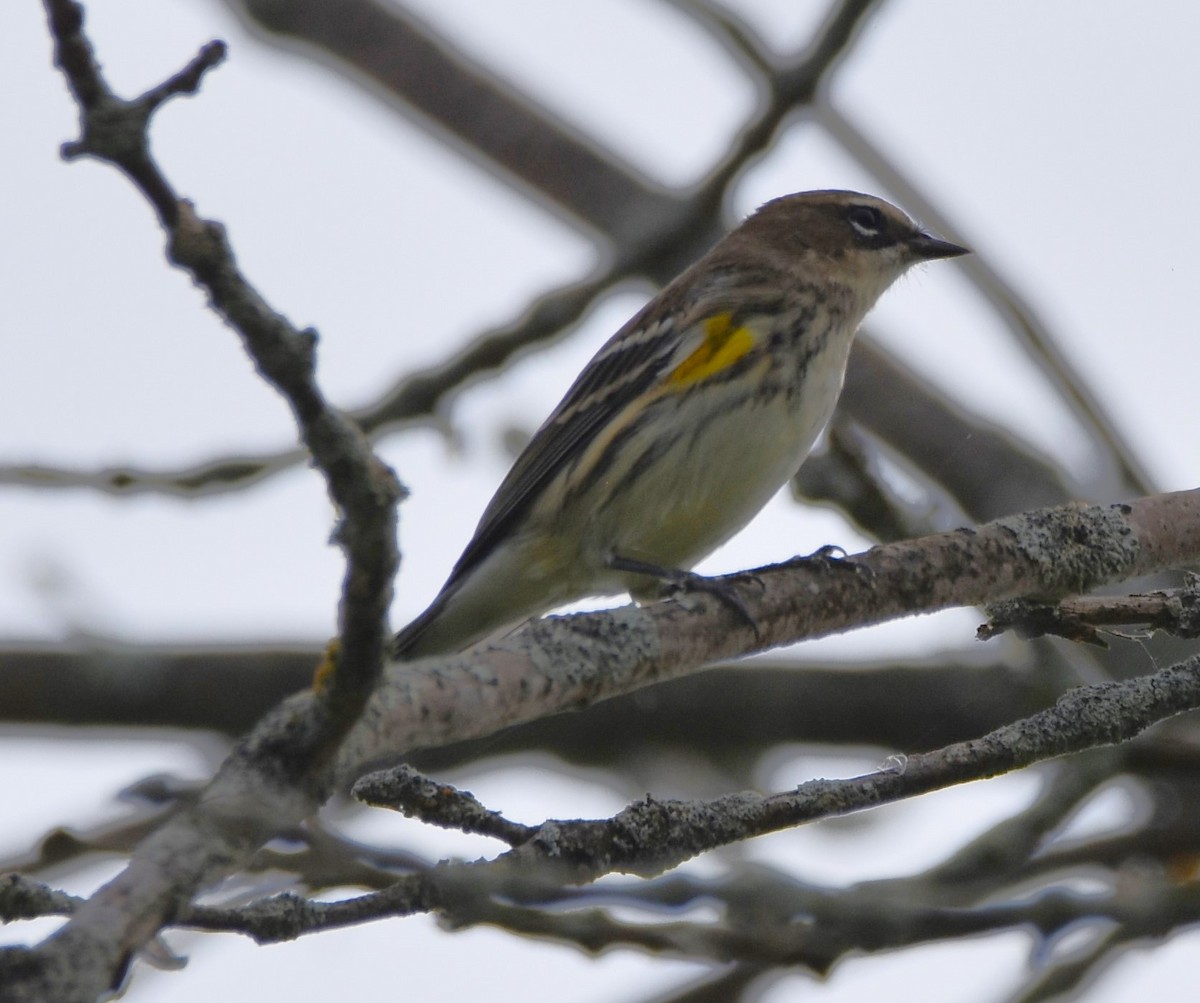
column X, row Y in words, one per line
column 652, row 232
column 1066, row 976
column 417, row 396
column 1004, row 851
column 395, row 51
column 651, row 836
column 218, row 687
column 319, row 860
column 228, row 689
column 846, row 475
column 832, row 925
column 207, row 478
column 721, row 720
column 64, row 846
column 400, row 58
column 989, row 472
column 21, row 898
column 729, row 982
column 1034, row 336
column 736, row 36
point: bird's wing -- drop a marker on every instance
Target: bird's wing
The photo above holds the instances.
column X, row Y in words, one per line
column 625, row 367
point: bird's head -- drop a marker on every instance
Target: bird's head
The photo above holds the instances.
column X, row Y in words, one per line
column 845, row 237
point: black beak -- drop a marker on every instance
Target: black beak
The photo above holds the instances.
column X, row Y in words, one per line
column 929, row 248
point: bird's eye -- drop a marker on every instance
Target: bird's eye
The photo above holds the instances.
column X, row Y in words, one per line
column 866, row 220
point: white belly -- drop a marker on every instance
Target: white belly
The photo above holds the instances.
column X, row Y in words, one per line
column 709, row 485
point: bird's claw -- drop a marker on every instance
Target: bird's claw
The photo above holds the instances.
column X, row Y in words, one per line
column 676, row 581
column 721, row 590
column 830, row 557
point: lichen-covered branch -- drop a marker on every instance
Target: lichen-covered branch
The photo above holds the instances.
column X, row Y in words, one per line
column 559, row 663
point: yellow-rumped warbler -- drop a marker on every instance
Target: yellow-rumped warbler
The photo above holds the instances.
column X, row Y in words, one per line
column 686, row 422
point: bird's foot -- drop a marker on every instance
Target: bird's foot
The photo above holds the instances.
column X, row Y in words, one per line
column 830, row 557
column 675, row 581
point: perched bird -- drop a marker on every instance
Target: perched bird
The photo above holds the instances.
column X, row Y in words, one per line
column 685, row 423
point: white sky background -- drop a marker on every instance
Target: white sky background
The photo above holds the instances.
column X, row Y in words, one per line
column 1059, row 136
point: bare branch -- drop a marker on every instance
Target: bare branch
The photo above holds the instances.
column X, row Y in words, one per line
column 559, row 663
column 651, row 836
column 112, row 128
column 1176, row 611
column 734, row 34
column 21, row 898
column 998, row 475
column 278, row 775
column 393, row 51
column 364, row 490
column 406, row 790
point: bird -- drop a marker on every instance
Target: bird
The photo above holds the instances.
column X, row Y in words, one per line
column 685, row 422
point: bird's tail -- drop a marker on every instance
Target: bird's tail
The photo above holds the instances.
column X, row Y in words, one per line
column 419, row 637
column 504, row 591
column 457, row 619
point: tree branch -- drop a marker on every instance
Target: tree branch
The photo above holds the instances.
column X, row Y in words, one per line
column 1176, row 611
column 652, row 836
column 279, row 773
column 561, row 663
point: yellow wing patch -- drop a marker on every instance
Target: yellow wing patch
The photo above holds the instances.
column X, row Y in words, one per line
column 722, row 346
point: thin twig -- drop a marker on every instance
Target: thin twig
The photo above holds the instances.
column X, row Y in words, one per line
column 1174, row 611
column 279, row 773
column 651, row 836
column 417, row 796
